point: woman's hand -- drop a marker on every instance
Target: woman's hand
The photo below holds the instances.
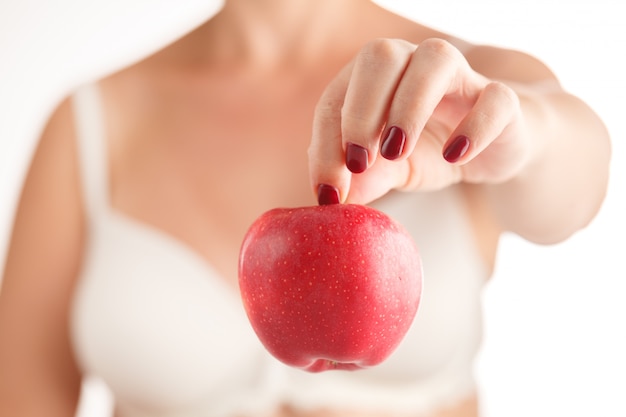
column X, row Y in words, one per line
column 402, row 116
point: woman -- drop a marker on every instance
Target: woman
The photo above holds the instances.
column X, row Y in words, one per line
column 123, row 257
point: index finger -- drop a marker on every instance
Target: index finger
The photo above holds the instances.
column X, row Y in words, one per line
column 327, row 169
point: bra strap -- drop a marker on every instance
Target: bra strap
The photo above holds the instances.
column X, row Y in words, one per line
column 92, row 149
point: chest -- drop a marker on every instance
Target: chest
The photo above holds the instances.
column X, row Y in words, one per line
column 161, row 328
column 202, row 163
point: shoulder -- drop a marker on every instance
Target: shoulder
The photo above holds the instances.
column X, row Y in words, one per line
column 50, row 204
column 505, row 63
column 490, row 60
column 60, row 124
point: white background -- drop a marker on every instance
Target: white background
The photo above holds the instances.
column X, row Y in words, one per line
column 555, row 316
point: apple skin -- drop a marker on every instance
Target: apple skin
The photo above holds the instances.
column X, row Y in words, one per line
column 329, row 287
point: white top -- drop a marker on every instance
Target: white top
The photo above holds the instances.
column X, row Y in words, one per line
column 170, row 338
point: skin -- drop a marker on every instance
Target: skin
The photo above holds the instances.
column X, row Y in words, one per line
column 537, row 161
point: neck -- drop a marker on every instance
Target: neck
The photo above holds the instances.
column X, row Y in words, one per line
column 270, row 33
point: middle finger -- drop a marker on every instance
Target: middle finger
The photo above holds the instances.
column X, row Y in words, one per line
column 377, row 71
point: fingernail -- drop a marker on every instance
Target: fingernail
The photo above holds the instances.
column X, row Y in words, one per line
column 393, row 144
column 327, row 194
column 457, row 148
column 356, row 158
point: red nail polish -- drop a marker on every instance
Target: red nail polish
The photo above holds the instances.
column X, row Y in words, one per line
column 393, row 144
column 327, row 194
column 356, row 158
column 456, row 149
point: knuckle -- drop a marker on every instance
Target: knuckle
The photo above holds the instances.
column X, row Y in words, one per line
column 327, row 107
column 503, row 93
column 383, row 50
column 358, row 129
column 440, row 47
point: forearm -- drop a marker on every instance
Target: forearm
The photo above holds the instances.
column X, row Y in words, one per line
column 563, row 184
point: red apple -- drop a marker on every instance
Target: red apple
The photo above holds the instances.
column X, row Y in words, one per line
column 329, row 287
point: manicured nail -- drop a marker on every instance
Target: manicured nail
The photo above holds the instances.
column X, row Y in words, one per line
column 327, row 194
column 393, row 144
column 457, row 148
column 356, row 158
